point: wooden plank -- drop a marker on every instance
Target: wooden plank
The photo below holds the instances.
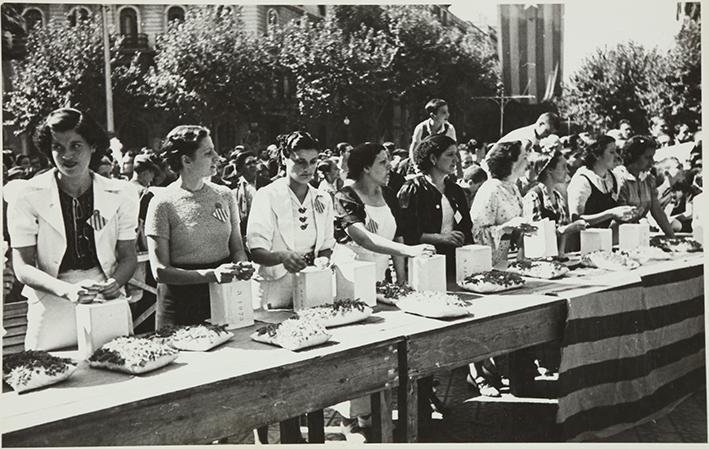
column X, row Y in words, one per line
column 144, row 316
column 382, row 424
column 460, row 344
column 10, row 341
column 15, row 331
column 12, row 349
column 225, row 407
column 14, row 310
column 143, row 286
column 14, row 321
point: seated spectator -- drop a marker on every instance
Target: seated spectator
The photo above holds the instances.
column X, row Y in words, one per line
column 473, row 177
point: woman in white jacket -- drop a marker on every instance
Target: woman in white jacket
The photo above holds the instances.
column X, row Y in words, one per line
column 291, row 223
column 72, row 232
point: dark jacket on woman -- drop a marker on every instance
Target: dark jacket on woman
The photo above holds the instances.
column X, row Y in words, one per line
column 421, row 212
column 349, row 209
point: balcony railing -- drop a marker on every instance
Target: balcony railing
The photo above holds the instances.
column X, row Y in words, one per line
column 138, row 41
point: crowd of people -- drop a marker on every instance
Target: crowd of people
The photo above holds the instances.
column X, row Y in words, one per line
column 76, row 218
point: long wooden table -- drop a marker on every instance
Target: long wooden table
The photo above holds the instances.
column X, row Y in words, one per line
column 244, row 384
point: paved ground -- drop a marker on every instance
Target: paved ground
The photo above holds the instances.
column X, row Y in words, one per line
column 471, row 418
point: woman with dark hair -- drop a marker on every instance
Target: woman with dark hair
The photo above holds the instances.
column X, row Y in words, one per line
column 545, row 201
column 497, row 208
column 72, row 232
column 593, row 190
column 433, row 207
column 192, row 227
column 368, row 216
column 638, row 187
column 291, row 222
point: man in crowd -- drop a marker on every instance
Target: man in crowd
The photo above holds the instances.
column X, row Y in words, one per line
column 144, row 171
column 683, row 135
column 546, row 124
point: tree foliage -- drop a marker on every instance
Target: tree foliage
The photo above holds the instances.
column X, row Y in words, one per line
column 208, row 68
column 630, row 81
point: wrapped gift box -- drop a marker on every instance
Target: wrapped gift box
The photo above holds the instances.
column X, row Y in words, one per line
column 631, row 235
column 232, row 303
column 471, row 259
column 428, row 273
column 543, row 242
column 357, row 280
column 98, row 323
column 313, row 287
column 596, row 240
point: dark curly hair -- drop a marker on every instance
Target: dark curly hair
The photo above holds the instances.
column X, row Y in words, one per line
column 545, row 163
column 69, row 119
column 297, row 140
column 183, row 140
column 361, row 157
column 433, row 145
column 635, row 147
column 592, row 153
column 502, row 157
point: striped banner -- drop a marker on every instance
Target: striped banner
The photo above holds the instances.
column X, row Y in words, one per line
column 631, row 354
column 530, row 46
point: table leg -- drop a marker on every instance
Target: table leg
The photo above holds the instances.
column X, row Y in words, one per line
column 382, row 424
column 290, row 431
column 425, row 391
column 316, row 427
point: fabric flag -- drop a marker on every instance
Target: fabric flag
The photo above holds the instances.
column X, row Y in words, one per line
column 96, row 221
column 319, row 206
column 631, row 354
column 220, row 213
column 372, row 226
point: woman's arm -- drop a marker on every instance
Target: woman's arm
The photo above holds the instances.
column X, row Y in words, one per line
column 378, row 244
column 159, row 254
column 127, row 261
column 24, row 261
column 236, row 244
column 400, row 264
column 659, row 215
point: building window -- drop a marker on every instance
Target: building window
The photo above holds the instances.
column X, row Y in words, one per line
column 128, row 21
column 271, row 18
column 175, row 13
column 33, row 17
column 322, row 10
column 78, row 14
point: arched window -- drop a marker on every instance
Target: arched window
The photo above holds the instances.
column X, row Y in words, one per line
column 175, row 13
column 271, row 18
column 33, row 17
column 78, row 14
column 128, row 21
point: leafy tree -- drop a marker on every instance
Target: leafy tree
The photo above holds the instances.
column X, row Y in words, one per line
column 613, row 84
column 629, row 81
column 64, row 66
column 207, row 68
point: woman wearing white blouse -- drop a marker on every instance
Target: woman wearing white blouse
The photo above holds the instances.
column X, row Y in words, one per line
column 291, row 222
column 72, row 232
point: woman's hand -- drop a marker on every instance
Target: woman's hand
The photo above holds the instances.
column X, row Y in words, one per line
column 292, row 261
column 83, row 292
column 454, row 238
column 225, row 272
column 623, row 213
column 576, row 226
column 421, row 250
column 513, row 224
column 110, row 289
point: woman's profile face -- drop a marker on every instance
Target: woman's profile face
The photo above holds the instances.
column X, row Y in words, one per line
column 447, row 160
column 204, row 160
column 379, row 171
column 71, row 153
column 561, row 171
column 610, row 156
column 301, row 165
column 520, row 165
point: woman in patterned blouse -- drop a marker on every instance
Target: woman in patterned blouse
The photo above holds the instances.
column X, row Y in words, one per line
column 545, row 201
column 497, row 208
